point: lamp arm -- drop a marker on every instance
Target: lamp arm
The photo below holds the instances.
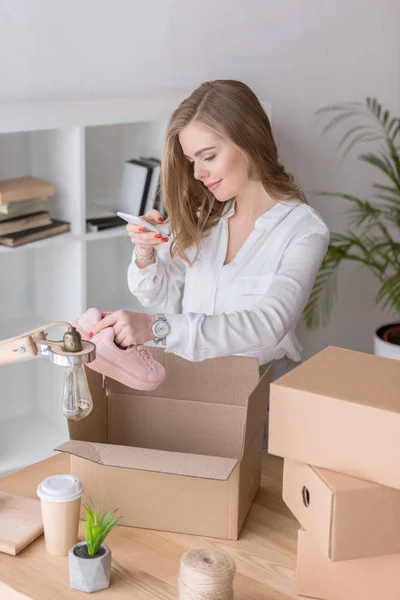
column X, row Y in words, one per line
column 28, row 344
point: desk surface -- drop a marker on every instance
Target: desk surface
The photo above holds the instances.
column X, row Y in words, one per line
column 146, row 563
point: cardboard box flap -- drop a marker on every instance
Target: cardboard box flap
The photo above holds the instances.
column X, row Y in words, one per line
column 350, row 376
column 146, row 459
column 226, row 380
column 256, row 407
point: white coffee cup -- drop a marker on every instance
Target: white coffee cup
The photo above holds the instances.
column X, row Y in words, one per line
column 60, row 499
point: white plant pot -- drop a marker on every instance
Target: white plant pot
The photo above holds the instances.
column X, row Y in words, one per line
column 89, row 574
column 385, row 348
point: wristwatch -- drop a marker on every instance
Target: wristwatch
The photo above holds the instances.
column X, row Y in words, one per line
column 161, row 328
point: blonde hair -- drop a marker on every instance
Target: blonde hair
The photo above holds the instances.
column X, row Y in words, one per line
column 230, row 109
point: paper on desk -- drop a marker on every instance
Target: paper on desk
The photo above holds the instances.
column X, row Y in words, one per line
column 20, row 522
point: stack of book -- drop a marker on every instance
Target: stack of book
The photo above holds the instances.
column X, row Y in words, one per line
column 24, row 211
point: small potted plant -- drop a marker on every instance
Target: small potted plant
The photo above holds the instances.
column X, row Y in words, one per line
column 90, row 561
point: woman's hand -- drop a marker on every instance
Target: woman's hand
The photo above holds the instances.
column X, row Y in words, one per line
column 145, row 241
column 130, row 328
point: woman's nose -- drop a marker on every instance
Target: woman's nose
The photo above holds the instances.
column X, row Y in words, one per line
column 200, row 172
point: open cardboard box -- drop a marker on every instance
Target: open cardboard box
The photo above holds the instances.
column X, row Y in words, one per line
column 347, row 517
column 340, row 410
column 184, row 458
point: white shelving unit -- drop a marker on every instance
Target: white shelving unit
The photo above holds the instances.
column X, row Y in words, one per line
column 81, row 147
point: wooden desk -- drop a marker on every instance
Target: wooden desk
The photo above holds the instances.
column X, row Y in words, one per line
column 146, row 563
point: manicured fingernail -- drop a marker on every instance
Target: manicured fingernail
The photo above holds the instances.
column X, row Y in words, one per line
column 160, row 220
column 142, row 228
column 158, row 235
column 91, row 334
column 165, row 239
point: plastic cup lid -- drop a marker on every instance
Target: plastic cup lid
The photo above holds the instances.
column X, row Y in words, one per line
column 60, row 488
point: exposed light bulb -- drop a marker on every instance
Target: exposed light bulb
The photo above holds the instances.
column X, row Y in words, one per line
column 77, row 401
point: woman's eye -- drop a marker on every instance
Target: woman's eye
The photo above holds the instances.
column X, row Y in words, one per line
column 210, row 157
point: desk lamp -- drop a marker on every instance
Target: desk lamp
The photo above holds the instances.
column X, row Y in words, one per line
column 71, row 352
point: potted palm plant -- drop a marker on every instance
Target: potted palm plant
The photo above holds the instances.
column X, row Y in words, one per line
column 373, row 238
column 89, row 562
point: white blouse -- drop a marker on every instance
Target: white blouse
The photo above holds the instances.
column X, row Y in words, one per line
column 249, row 307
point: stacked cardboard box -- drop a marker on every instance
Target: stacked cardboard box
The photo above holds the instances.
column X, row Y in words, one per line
column 336, row 421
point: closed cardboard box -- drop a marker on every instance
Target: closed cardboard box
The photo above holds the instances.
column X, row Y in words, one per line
column 358, row 579
column 185, row 457
column 340, row 410
column 347, row 517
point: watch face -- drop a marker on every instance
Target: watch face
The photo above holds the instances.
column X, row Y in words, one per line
column 161, row 329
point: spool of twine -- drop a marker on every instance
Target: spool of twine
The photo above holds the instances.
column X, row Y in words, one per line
column 206, row 575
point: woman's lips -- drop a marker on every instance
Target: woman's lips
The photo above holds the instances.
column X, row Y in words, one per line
column 213, row 186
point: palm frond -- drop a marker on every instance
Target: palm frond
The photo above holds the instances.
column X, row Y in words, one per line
column 366, row 137
column 390, row 125
column 389, row 293
column 389, row 207
column 373, row 238
column 377, row 124
column 391, row 195
column 394, row 155
column 336, row 120
column 396, row 130
column 364, row 214
column 387, row 188
column 389, row 254
column 384, row 165
column 365, row 131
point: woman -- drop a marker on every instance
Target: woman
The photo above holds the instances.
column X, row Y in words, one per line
column 244, row 243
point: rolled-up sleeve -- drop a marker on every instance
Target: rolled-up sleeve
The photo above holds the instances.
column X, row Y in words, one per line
column 197, row 337
column 158, row 284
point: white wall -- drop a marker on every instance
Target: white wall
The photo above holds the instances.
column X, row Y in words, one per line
column 299, row 54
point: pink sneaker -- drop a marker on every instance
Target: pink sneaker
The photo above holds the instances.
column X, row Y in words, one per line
column 134, row 366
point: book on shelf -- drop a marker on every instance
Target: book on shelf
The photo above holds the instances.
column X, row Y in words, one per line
column 56, row 227
column 139, row 185
column 25, row 207
column 24, row 188
column 102, row 223
column 155, row 182
column 98, row 209
column 156, row 198
column 16, row 224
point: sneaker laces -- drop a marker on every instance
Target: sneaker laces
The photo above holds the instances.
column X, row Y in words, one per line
column 144, row 354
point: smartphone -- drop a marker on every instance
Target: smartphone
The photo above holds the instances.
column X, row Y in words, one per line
column 139, row 221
